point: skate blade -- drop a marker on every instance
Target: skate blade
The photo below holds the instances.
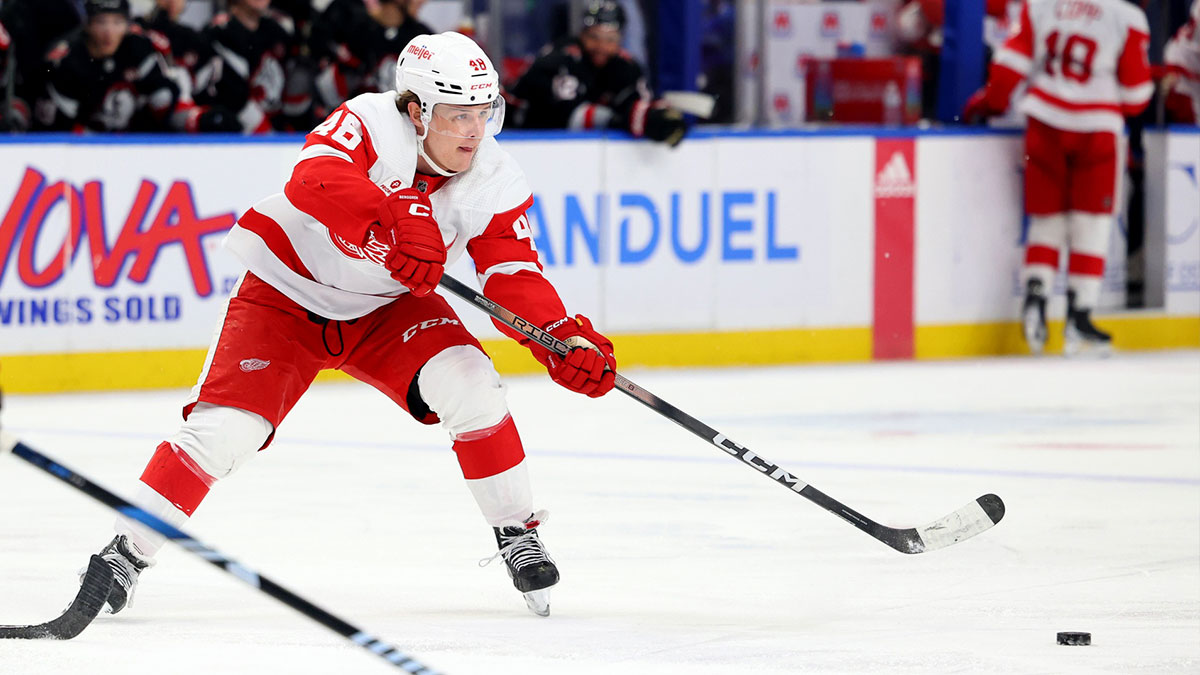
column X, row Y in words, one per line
column 538, row 602
column 1036, row 346
column 1087, row 350
column 1034, row 332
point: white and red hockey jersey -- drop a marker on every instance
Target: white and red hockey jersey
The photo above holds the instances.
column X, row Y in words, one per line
column 307, row 241
column 1086, row 63
column 1182, row 58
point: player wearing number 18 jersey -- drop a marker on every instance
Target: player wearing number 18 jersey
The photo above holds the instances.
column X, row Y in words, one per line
column 1087, row 69
column 342, row 266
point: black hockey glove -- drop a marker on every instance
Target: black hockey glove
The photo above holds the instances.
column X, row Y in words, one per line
column 666, row 125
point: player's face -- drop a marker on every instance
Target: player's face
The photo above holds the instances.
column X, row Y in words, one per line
column 105, row 32
column 455, row 132
column 601, row 43
column 389, row 15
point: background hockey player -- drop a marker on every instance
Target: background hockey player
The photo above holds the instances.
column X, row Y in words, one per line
column 109, row 77
column 356, row 44
column 342, row 270
column 32, row 28
column 1087, row 68
column 192, row 65
column 1182, row 59
column 589, row 82
column 14, row 112
column 255, row 81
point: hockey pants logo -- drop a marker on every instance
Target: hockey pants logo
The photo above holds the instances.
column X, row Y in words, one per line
column 428, row 323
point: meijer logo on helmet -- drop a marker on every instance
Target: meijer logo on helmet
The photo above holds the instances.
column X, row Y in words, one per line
column 420, row 51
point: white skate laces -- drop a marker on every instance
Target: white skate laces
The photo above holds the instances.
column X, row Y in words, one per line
column 520, row 548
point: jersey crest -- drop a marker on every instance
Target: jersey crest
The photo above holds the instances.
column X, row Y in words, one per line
column 375, row 251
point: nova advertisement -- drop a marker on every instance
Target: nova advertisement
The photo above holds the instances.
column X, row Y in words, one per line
column 117, row 247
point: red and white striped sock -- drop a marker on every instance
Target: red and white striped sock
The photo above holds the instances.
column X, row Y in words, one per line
column 493, row 462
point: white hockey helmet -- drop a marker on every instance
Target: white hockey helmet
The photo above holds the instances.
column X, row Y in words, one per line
column 449, row 69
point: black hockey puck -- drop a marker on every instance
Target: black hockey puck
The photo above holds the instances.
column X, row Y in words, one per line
column 1069, row 638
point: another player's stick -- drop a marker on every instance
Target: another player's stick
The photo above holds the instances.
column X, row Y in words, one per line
column 80, row 610
column 964, row 523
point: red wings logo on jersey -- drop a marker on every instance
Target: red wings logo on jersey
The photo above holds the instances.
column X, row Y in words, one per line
column 375, row 251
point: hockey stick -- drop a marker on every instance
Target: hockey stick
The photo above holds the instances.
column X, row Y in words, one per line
column 93, row 593
column 966, row 522
column 73, row 478
column 692, row 102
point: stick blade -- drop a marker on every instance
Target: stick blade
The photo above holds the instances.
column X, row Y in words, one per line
column 692, row 102
column 93, row 593
column 973, row 518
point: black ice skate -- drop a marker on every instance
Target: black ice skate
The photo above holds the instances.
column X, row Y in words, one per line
column 1033, row 316
column 127, row 562
column 1081, row 336
column 529, row 566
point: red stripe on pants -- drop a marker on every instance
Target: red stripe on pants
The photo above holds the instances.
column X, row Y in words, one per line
column 895, row 191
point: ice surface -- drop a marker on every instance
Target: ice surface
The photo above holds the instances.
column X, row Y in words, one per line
column 675, row 558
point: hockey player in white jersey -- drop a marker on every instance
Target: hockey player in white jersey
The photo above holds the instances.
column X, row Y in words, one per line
column 342, row 266
column 1181, row 56
column 1087, row 69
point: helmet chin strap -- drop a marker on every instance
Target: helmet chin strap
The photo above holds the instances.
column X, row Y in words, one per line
column 421, row 151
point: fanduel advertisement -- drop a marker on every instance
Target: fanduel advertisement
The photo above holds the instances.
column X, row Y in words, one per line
column 719, row 234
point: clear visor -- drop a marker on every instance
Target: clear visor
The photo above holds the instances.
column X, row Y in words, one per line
column 468, row 121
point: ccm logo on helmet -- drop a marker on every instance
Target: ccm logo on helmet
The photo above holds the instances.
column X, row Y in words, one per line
column 420, row 51
column 481, row 86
